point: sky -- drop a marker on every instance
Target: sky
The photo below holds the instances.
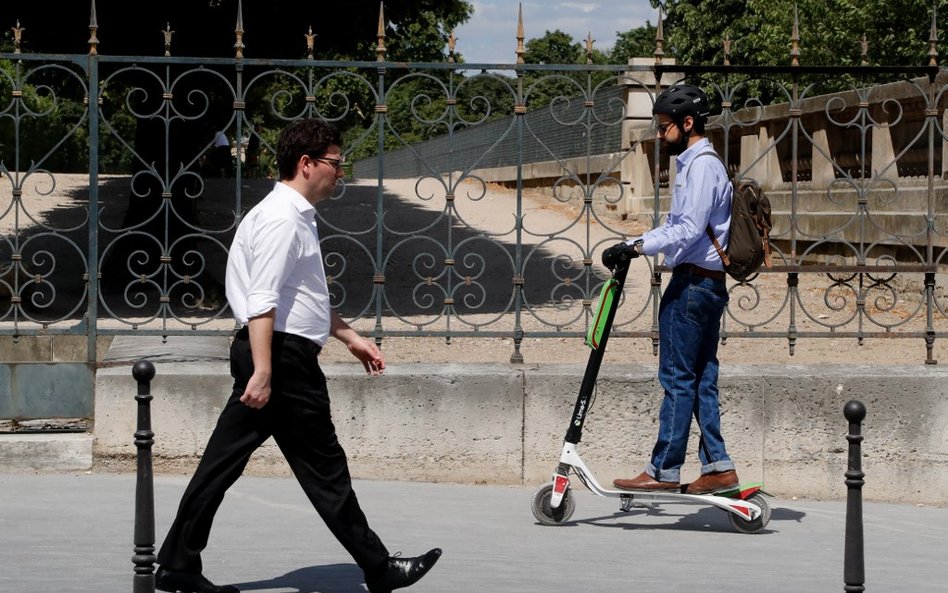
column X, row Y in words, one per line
column 490, row 36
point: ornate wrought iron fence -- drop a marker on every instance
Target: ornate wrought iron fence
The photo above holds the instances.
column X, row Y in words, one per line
column 135, row 243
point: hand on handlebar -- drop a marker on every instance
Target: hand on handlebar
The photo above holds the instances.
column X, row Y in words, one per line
column 621, row 253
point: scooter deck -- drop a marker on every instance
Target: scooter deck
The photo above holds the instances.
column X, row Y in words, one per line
column 741, row 492
column 734, row 500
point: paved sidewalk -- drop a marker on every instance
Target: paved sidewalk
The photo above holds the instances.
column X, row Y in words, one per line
column 73, row 533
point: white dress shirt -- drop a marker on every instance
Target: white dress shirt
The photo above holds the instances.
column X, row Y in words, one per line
column 275, row 262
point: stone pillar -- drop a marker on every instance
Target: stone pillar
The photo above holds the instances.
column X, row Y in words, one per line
column 637, row 180
column 883, row 164
column 758, row 164
column 774, row 174
column 944, row 147
column 634, row 172
column 751, row 164
column 823, row 173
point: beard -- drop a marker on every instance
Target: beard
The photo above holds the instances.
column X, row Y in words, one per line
column 676, row 148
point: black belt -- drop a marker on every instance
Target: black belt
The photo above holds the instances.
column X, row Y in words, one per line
column 244, row 334
column 694, row 270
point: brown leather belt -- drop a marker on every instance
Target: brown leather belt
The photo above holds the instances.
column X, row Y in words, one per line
column 694, row 270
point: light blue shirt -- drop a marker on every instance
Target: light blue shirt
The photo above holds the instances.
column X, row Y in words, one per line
column 701, row 197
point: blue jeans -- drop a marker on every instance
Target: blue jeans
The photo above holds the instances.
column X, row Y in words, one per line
column 689, row 322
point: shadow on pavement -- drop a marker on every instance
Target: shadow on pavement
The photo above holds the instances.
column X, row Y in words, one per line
column 704, row 519
column 333, row 578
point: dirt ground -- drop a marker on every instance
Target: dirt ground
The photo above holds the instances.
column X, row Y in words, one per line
column 488, row 211
column 631, row 350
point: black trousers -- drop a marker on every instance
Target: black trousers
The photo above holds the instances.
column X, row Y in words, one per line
column 298, row 417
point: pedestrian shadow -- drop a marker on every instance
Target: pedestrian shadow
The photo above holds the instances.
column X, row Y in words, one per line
column 332, row 578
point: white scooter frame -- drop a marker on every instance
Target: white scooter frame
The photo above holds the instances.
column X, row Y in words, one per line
column 553, row 503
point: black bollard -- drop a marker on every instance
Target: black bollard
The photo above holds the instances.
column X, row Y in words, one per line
column 144, row 558
column 854, row 562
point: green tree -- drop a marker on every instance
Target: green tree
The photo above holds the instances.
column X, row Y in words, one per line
column 50, row 94
column 554, row 47
column 544, row 87
column 422, row 35
column 831, row 31
column 634, row 43
column 416, row 30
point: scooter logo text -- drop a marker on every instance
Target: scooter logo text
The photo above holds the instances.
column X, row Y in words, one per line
column 579, row 413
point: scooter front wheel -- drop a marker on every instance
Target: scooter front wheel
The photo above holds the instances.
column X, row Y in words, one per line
column 544, row 511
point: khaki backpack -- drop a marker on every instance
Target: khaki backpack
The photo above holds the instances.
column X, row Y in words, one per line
column 748, row 244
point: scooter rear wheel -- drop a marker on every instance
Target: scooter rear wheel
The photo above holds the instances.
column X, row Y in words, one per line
column 544, row 511
column 753, row 525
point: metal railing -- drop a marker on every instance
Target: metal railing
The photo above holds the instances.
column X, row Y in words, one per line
column 135, row 243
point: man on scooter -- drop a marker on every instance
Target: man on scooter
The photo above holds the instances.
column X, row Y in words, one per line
column 693, row 302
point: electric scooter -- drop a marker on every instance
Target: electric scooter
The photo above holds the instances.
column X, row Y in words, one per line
column 553, row 503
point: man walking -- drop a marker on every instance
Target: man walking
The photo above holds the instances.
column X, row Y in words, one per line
column 693, row 302
column 276, row 287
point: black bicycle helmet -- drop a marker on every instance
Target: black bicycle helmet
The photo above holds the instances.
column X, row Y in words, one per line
column 681, row 100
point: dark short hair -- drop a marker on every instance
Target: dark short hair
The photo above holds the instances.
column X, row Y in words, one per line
column 312, row 136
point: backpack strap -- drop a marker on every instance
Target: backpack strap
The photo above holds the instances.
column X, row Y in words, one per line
column 766, row 240
column 710, row 232
column 717, row 247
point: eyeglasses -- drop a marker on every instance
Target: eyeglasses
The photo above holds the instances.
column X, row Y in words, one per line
column 663, row 128
column 336, row 164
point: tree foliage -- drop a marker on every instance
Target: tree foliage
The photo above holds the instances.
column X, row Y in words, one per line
column 554, row 47
column 416, row 30
column 831, row 31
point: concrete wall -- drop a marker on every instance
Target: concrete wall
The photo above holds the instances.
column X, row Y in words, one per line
column 505, row 424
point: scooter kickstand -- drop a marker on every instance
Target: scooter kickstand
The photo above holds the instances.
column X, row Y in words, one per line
column 627, row 502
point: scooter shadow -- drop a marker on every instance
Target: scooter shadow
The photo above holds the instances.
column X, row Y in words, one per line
column 705, row 519
column 332, row 578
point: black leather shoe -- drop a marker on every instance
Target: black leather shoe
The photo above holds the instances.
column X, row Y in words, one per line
column 188, row 582
column 401, row 572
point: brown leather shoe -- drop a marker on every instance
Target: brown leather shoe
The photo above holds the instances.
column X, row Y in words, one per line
column 714, row 482
column 643, row 481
